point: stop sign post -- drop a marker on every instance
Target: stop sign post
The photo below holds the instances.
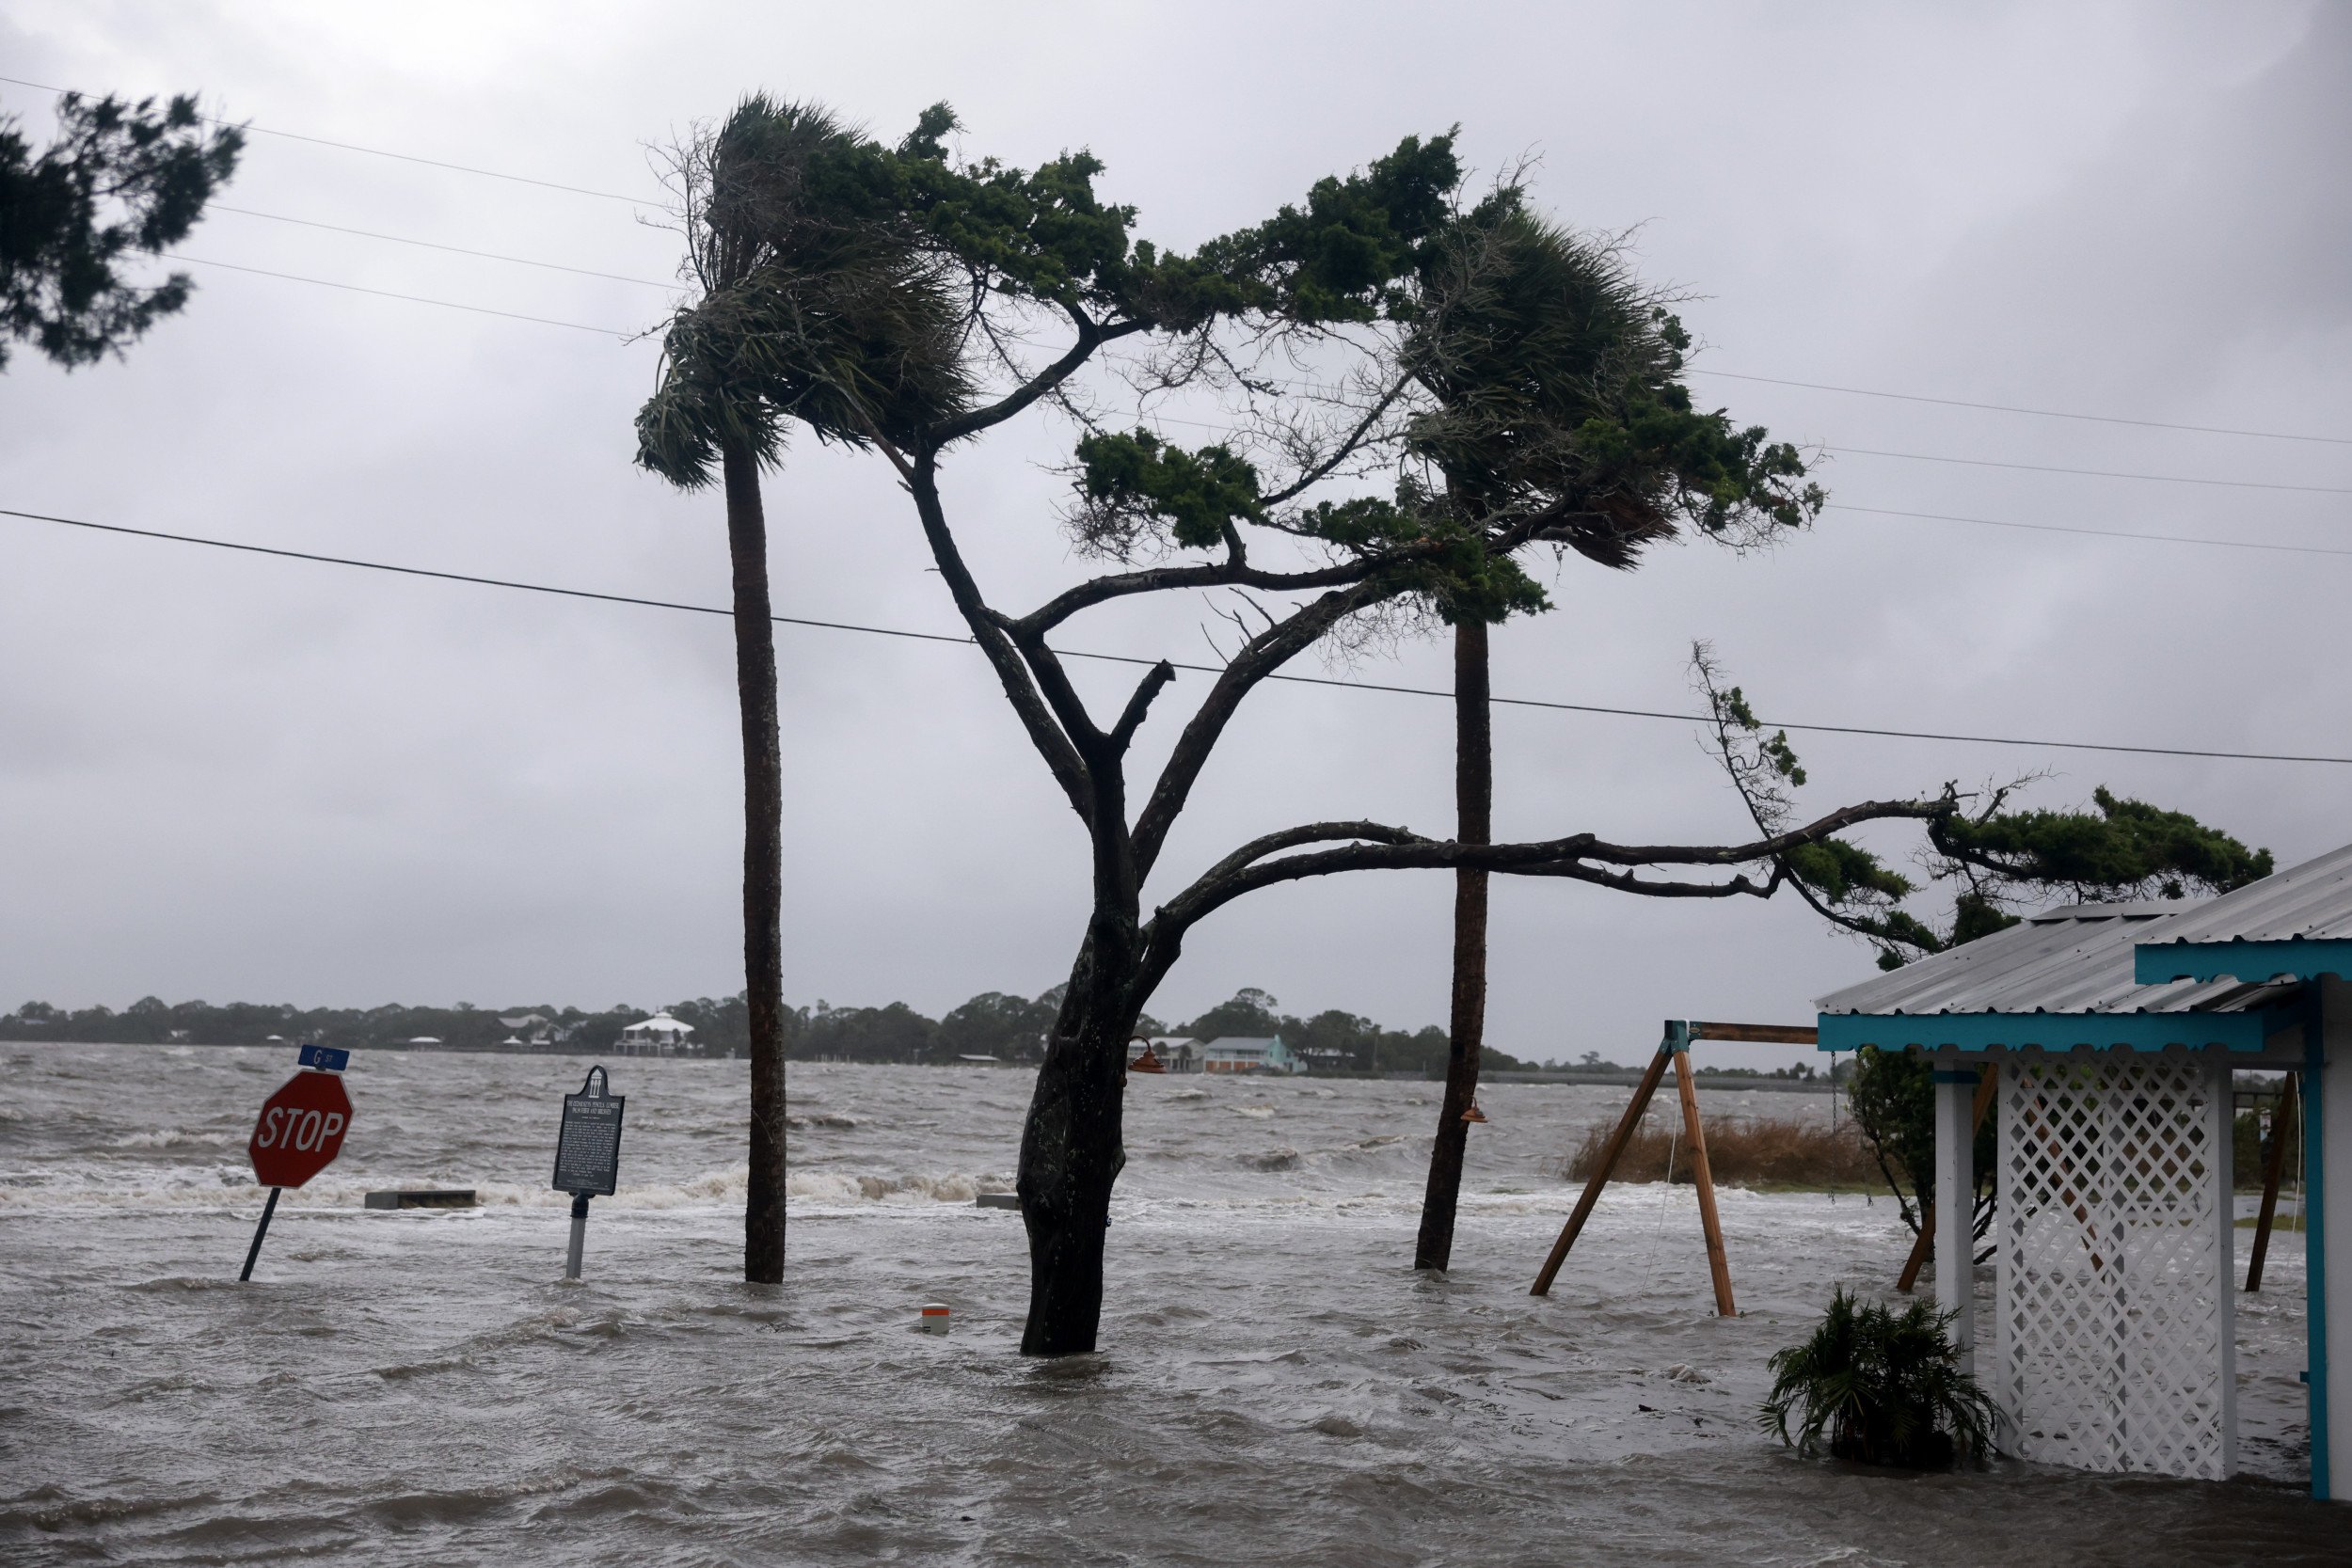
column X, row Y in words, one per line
column 299, row 1134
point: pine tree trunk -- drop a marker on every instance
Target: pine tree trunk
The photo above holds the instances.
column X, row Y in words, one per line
column 763, row 866
column 1072, row 1151
column 1474, row 794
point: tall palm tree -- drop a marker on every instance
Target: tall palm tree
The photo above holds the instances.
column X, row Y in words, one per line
column 1553, row 375
column 814, row 303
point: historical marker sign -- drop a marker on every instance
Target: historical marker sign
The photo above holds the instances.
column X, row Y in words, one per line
column 300, row 1130
column 588, row 1149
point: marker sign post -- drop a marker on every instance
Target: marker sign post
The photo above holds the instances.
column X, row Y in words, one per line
column 588, row 1154
column 299, row 1133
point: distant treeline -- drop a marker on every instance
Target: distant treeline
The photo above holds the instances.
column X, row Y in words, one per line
column 994, row 1024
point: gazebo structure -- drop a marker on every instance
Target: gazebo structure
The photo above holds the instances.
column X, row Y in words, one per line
column 660, row 1034
column 2112, row 1031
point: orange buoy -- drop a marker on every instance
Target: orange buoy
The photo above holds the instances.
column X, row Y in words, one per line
column 933, row 1319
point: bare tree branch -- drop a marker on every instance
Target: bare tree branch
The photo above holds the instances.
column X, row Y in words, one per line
column 1123, row 733
column 1062, row 756
column 1580, row 857
column 1092, row 337
column 1257, row 659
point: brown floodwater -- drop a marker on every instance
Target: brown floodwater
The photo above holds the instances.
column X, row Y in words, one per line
column 1277, row 1386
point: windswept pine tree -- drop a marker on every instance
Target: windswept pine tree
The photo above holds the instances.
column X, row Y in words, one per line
column 121, row 181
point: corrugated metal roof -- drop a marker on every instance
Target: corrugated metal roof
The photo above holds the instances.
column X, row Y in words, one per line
column 2079, row 960
column 2309, row 901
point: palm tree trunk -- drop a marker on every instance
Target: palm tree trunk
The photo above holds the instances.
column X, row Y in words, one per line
column 763, row 863
column 1474, row 797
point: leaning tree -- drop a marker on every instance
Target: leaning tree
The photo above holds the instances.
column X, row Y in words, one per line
column 1324, row 513
column 811, row 305
column 1996, row 860
column 1536, row 353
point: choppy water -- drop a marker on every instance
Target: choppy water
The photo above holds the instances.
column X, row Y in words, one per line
column 1278, row 1386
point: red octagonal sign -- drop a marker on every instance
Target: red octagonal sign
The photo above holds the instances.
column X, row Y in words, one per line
column 301, row 1130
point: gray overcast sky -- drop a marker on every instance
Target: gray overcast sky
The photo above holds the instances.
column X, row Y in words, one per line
column 227, row 777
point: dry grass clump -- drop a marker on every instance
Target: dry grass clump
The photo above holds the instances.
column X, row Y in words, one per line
column 1748, row 1151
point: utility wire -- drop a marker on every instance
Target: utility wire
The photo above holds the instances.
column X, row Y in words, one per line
column 2093, row 532
column 429, row 245
column 1729, row 375
column 1200, row 424
column 1134, row 659
column 386, row 293
column 2013, row 408
column 2099, row 473
column 377, row 152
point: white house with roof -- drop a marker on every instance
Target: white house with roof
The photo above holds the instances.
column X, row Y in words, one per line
column 660, row 1034
column 2112, row 1034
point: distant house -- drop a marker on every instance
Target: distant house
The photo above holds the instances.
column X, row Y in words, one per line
column 660, row 1034
column 1235, row 1054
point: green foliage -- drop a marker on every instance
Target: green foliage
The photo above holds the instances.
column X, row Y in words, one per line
column 1893, row 1099
column 1555, row 375
column 121, row 180
column 1837, row 870
column 1885, row 1387
column 1347, row 254
column 820, row 301
column 1132, row 480
column 2129, row 849
column 2121, row 849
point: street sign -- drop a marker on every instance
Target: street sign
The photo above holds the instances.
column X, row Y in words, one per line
column 299, row 1134
column 300, row 1131
column 588, row 1154
column 588, row 1149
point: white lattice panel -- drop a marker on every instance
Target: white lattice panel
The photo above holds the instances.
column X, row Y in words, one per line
column 2115, row 1342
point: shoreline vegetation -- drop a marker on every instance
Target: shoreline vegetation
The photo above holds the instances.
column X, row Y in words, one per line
column 1762, row 1152
column 997, row 1024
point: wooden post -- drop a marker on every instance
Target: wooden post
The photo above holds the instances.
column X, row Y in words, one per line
column 1717, row 1264
column 2281, row 1120
column 1922, row 1248
column 1923, row 1244
column 1599, row 1178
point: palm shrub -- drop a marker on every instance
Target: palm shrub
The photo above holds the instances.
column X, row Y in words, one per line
column 1885, row 1386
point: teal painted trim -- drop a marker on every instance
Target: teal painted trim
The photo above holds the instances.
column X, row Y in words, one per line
column 1678, row 1036
column 2158, row 963
column 2051, row 1030
column 2315, row 1241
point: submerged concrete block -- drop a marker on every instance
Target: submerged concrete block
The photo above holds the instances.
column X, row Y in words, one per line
column 424, row 1197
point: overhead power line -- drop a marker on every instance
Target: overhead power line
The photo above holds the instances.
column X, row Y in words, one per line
column 1728, row 375
column 2100, row 473
column 2091, row 532
column 430, row 244
column 379, row 153
column 2014, row 408
column 1135, row 659
column 387, row 294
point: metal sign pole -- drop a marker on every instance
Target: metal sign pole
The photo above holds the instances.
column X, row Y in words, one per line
column 580, row 1235
column 259, row 1231
column 587, row 1154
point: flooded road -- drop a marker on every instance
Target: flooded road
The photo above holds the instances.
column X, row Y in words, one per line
column 1277, row 1386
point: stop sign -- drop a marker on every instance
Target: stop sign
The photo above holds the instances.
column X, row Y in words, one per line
column 301, row 1130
